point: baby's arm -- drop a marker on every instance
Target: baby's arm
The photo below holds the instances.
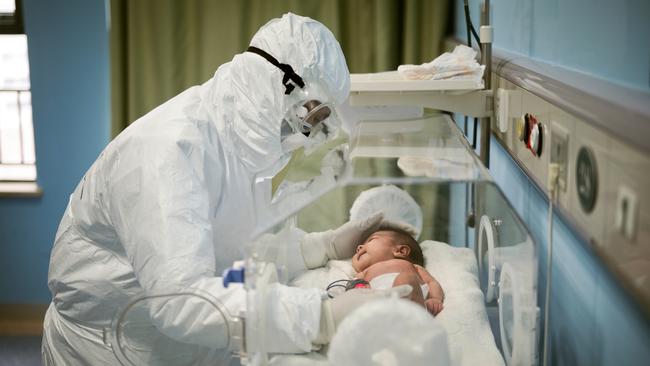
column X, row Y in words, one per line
column 436, row 296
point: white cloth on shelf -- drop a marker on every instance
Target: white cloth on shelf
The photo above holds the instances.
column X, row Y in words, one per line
column 459, row 64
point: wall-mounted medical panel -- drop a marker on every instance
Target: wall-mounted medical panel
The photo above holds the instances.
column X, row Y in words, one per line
column 593, row 134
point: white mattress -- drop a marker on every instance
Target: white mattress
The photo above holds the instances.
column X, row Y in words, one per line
column 464, row 317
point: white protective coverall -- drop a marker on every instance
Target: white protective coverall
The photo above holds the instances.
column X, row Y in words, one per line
column 171, row 200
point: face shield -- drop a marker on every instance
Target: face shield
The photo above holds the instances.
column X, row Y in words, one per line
column 308, row 130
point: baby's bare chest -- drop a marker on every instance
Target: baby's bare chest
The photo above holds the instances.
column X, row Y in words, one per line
column 389, row 266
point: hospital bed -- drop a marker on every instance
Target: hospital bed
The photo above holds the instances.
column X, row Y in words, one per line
column 473, row 241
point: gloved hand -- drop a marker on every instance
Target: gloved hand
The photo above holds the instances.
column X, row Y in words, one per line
column 318, row 248
column 333, row 311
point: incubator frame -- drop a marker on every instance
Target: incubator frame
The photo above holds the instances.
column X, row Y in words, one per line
column 518, row 260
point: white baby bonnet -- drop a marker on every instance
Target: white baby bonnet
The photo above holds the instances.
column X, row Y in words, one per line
column 399, row 208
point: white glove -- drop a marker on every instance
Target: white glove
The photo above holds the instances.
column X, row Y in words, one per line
column 318, row 248
column 333, row 311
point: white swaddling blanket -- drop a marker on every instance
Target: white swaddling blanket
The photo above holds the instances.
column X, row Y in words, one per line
column 464, row 317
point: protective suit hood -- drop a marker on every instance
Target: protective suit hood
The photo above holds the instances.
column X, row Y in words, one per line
column 246, row 98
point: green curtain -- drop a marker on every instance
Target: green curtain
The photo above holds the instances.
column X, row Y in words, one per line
column 161, row 47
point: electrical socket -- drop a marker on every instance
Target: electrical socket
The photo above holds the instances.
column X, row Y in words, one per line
column 626, row 212
column 560, row 152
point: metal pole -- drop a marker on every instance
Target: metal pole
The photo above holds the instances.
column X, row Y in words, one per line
column 479, row 189
column 486, row 59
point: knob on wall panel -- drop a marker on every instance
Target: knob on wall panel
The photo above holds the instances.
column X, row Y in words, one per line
column 531, row 132
column 535, row 141
column 586, row 179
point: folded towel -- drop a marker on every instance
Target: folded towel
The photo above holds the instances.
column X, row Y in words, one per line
column 459, row 64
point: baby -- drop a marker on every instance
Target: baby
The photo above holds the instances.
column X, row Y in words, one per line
column 390, row 257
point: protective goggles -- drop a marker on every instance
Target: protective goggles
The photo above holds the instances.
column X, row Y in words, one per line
column 308, row 117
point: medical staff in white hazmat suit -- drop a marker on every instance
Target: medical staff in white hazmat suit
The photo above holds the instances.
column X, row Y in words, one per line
column 170, row 202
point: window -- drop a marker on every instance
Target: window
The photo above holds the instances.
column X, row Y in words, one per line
column 17, row 154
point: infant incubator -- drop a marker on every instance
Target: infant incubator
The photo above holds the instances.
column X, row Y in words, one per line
column 419, row 171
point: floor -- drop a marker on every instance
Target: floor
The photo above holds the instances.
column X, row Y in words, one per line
column 20, row 351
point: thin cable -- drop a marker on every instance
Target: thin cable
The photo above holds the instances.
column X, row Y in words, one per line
column 553, row 180
column 467, row 25
column 474, row 133
column 469, row 43
column 471, row 31
column 470, row 28
column 478, row 40
column 337, row 283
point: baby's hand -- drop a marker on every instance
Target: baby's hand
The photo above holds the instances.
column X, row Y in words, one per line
column 434, row 306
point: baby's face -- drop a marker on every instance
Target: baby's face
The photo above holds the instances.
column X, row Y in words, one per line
column 379, row 247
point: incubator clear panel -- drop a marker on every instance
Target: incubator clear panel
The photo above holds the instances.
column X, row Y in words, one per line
column 466, row 225
column 419, row 148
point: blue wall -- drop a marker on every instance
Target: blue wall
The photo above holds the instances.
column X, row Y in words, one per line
column 69, row 65
column 593, row 321
column 606, row 38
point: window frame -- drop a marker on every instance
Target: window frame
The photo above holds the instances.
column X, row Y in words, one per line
column 13, row 24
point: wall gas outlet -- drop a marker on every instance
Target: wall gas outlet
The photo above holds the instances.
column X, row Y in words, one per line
column 560, row 152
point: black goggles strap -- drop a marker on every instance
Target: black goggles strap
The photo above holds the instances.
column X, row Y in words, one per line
column 289, row 74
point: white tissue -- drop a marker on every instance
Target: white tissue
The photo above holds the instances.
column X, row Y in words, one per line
column 459, row 64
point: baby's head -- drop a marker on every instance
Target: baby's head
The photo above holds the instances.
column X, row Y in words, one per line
column 384, row 244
